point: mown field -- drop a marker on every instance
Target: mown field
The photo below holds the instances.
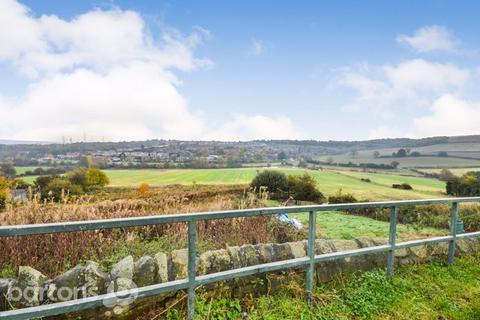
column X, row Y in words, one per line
column 329, row 182
column 409, row 162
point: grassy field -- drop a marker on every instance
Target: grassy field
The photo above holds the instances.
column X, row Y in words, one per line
column 22, row 170
column 329, row 182
column 418, row 183
column 338, row 225
column 455, row 171
column 408, row 162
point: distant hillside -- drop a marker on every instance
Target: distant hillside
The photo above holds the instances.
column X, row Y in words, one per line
column 13, row 142
column 466, row 147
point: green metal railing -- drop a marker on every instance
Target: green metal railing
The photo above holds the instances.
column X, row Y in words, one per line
column 193, row 281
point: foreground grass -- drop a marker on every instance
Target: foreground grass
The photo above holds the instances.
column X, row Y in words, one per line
column 430, row 291
column 329, row 182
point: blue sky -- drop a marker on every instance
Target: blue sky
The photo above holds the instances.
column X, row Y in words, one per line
column 239, row 70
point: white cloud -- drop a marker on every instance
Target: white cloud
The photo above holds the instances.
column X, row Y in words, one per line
column 103, row 74
column 98, row 39
column 420, row 74
column 430, row 38
column 414, row 81
column 137, row 101
column 257, row 48
column 243, row 127
column 449, row 116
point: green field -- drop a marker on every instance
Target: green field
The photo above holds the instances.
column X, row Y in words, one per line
column 408, row 162
column 329, row 182
column 338, row 225
column 22, row 170
column 418, row 183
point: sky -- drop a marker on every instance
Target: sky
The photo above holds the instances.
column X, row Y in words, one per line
column 238, row 70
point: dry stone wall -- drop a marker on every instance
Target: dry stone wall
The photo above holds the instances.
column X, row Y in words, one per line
column 32, row 288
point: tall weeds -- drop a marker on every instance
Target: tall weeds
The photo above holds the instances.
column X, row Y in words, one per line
column 54, row 253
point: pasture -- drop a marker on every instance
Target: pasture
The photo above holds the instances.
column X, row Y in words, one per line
column 455, row 171
column 406, row 162
column 339, row 225
column 23, row 169
column 329, row 182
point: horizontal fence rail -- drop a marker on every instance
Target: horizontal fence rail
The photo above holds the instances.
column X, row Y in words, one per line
column 194, row 281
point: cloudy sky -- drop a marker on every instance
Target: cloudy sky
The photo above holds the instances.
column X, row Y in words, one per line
column 224, row 70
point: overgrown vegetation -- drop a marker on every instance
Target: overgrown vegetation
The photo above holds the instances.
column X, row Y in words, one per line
column 280, row 186
column 53, row 254
column 467, row 185
column 444, row 293
column 74, row 183
column 341, row 197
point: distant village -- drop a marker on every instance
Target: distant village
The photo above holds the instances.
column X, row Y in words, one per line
column 191, row 154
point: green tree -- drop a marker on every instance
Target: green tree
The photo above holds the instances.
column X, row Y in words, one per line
column 42, row 182
column 8, row 170
column 446, row 175
column 78, row 177
column 86, row 162
column 304, row 188
column 281, row 156
column 96, row 178
column 401, row 153
column 395, row 164
column 275, row 181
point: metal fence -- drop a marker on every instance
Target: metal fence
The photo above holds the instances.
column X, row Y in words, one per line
column 193, row 281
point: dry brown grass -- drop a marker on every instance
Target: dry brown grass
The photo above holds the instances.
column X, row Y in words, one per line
column 53, row 254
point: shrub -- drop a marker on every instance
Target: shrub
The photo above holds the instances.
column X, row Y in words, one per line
column 57, row 188
column 8, row 170
column 21, row 184
column 304, row 188
column 446, row 175
column 340, row 197
column 78, row 177
column 144, row 189
column 4, row 186
column 96, row 178
column 403, row 186
column 466, row 186
column 42, row 182
column 275, row 181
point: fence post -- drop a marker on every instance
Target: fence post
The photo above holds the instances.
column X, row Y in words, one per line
column 312, row 221
column 391, row 241
column 453, row 233
column 192, row 235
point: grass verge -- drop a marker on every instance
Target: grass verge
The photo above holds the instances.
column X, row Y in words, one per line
column 429, row 291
